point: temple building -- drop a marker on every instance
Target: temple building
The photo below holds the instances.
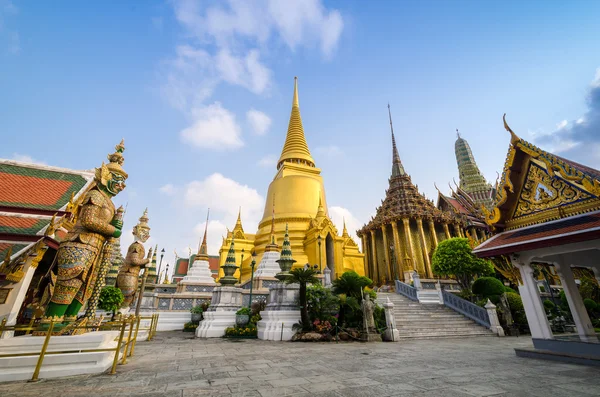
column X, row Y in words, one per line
column 38, row 206
column 405, row 230
column 546, row 213
column 471, row 193
column 182, row 266
column 296, row 197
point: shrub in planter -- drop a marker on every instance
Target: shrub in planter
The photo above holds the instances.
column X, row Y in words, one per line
column 508, row 289
column 196, row 313
column 242, row 316
column 249, row 331
column 111, row 299
column 549, row 305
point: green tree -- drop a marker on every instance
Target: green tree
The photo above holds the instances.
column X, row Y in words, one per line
column 303, row 277
column 111, row 299
column 351, row 284
column 454, row 258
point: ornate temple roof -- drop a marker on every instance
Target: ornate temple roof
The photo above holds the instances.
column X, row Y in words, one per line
column 470, row 178
column 295, row 148
column 461, row 203
column 402, row 198
column 32, row 195
column 538, row 187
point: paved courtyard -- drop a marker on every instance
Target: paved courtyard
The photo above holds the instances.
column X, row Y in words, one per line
column 176, row 365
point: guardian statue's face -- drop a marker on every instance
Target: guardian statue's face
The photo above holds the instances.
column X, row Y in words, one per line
column 142, row 233
column 115, row 184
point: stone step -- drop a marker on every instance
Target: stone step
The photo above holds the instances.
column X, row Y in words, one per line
column 453, row 321
column 438, row 336
column 441, row 329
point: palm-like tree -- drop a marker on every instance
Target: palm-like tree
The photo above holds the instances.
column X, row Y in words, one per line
column 303, row 277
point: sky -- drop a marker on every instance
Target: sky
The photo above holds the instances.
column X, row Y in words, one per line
column 201, row 92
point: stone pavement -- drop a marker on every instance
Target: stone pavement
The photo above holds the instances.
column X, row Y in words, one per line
column 176, row 365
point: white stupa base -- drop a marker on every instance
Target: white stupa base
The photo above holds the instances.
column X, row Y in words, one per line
column 199, row 273
column 172, row 320
column 215, row 323
column 268, row 266
column 57, row 365
column 278, row 325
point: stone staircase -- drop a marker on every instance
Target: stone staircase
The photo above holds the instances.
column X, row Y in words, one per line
column 416, row 320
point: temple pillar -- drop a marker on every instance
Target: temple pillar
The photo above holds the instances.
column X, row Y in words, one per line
column 397, row 250
column 458, row 230
column 428, row 273
column 585, row 329
column 532, row 303
column 410, row 251
column 447, row 231
column 374, row 257
column 363, row 240
column 434, row 238
column 386, row 253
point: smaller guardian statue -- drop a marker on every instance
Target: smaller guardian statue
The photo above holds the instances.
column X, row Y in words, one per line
column 127, row 280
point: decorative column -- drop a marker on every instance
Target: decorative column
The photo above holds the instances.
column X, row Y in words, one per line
column 398, row 251
column 386, row 253
column 363, row 239
column 428, row 273
column 391, row 333
column 410, row 251
column 493, row 316
column 580, row 316
column 434, row 238
column 447, row 231
column 458, row 230
column 374, row 257
column 534, row 309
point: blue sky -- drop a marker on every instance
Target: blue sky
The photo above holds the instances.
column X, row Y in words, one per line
column 201, row 92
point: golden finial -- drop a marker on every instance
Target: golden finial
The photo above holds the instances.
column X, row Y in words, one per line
column 203, row 250
column 436, row 188
column 295, row 101
column 345, row 231
column 513, row 137
column 52, row 226
column 6, row 262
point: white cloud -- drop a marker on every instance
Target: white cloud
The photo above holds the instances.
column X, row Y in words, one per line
column 224, row 197
column 268, row 160
column 24, row 158
column 213, row 127
column 596, row 80
column 329, row 151
column 168, row 189
column 562, row 125
column 245, row 71
column 338, row 215
column 259, row 121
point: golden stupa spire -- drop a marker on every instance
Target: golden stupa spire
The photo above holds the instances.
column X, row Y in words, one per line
column 295, row 149
column 320, row 208
column 203, row 250
column 397, row 168
column 238, row 225
column 272, row 246
column 345, row 231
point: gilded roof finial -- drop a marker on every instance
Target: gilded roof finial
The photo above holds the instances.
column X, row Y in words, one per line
column 397, row 168
column 203, row 250
column 436, row 188
column 295, row 148
column 345, row 231
column 513, row 137
column 320, row 208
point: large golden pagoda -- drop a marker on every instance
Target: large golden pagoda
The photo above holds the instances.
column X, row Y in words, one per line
column 296, row 197
column 407, row 227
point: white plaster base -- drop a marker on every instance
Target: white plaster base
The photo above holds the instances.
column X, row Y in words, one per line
column 215, row 323
column 270, row 327
column 268, row 266
column 57, row 365
column 172, row 320
column 199, row 273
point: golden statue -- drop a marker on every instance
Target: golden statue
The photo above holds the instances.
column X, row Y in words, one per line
column 127, row 280
column 80, row 254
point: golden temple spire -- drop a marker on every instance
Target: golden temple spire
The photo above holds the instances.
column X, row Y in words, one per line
column 295, row 149
column 320, row 209
column 345, row 231
column 203, row 250
column 397, row 168
column 238, row 226
column 272, row 246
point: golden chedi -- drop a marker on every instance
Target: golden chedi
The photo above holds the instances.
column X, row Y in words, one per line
column 296, row 197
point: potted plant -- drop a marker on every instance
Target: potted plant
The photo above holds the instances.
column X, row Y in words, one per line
column 196, row 313
column 242, row 316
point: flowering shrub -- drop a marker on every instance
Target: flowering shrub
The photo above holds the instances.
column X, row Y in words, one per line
column 322, row 327
column 248, row 331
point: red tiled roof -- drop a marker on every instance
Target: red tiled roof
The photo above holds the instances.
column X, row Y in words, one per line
column 30, row 186
column 568, row 230
column 16, row 247
column 22, row 225
column 583, row 168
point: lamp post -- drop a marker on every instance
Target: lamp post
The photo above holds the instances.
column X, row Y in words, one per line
column 252, row 264
column 241, row 264
column 162, row 254
column 320, row 264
